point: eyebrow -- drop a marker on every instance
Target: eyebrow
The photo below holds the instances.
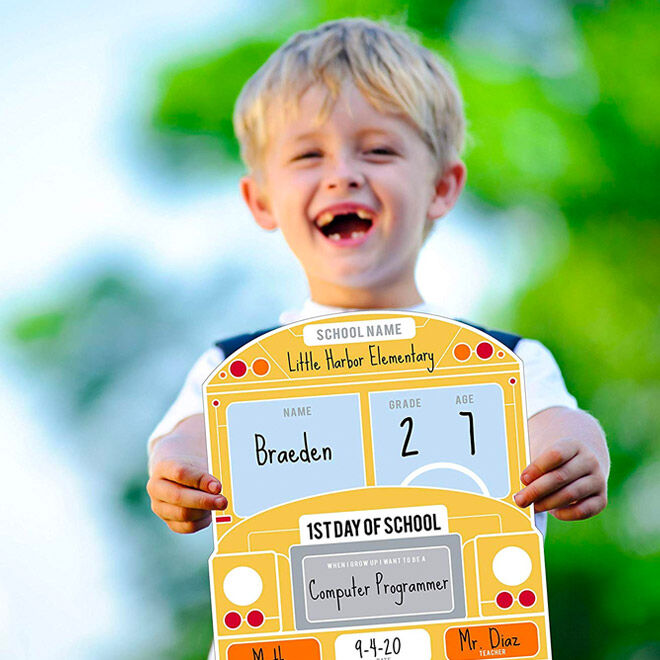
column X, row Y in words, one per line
column 305, row 136
column 361, row 133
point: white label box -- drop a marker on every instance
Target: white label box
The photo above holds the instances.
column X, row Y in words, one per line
column 377, row 524
column 381, row 645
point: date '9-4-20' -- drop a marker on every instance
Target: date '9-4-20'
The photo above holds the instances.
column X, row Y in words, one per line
column 370, row 649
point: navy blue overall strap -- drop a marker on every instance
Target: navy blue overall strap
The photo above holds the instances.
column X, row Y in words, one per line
column 232, row 344
column 507, row 338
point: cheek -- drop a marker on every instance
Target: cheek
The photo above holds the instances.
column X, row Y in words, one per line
column 411, row 193
column 396, row 184
column 404, row 198
column 296, row 188
column 292, row 196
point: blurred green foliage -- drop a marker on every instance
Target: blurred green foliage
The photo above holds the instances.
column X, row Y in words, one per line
column 198, row 99
column 562, row 100
column 106, row 355
column 59, row 338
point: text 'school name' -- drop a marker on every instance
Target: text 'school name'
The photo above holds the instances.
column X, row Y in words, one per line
column 306, row 360
column 359, row 331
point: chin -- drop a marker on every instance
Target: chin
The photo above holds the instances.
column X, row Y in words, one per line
column 355, row 279
column 365, row 271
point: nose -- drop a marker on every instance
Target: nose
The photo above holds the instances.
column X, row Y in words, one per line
column 343, row 174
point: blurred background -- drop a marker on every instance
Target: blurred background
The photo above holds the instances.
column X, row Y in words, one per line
column 126, row 251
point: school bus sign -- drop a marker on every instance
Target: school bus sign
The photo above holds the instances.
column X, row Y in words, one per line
column 370, row 461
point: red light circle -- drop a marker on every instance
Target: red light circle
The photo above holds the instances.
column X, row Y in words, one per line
column 527, row 598
column 255, row 618
column 238, row 368
column 233, row 620
column 215, row 403
column 485, row 350
column 504, row 600
column 513, row 381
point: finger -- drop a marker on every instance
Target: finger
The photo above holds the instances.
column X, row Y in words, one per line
column 187, row 475
column 581, row 510
column 171, row 512
column 189, row 498
column 562, row 452
column 188, row 527
column 578, row 490
column 551, row 482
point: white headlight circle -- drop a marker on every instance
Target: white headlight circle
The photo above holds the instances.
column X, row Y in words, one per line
column 243, row 585
column 512, row 566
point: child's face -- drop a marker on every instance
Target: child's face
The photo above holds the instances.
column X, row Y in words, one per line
column 374, row 164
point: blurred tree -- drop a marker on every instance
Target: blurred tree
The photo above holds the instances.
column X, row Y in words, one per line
column 106, row 357
column 198, row 98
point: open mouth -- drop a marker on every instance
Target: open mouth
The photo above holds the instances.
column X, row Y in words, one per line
column 344, row 226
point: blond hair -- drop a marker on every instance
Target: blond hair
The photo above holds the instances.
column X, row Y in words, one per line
column 393, row 71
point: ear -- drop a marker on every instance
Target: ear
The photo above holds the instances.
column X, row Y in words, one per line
column 447, row 188
column 257, row 203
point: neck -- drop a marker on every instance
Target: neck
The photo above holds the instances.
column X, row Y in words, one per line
column 398, row 295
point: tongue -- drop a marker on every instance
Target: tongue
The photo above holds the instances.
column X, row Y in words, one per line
column 345, row 225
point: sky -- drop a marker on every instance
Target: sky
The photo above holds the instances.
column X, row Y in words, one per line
column 69, row 189
column 81, row 79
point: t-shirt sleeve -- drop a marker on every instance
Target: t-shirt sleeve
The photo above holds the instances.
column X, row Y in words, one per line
column 189, row 400
column 544, row 383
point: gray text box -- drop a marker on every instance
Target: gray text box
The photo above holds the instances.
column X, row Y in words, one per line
column 349, row 584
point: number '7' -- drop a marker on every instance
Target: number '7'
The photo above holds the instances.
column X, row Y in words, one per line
column 470, row 416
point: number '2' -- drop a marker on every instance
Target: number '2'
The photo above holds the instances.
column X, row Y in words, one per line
column 405, row 451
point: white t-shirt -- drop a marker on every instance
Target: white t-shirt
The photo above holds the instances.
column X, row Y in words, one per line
column 544, row 384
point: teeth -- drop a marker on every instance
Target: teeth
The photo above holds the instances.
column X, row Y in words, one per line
column 325, row 219
column 334, row 237
column 357, row 234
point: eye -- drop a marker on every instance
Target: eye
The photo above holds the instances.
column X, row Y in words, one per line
column 381, row 151
column 308, row 154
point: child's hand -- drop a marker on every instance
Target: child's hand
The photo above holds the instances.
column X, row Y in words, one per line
column 183, row 494
column 568, row 477
column 182, row 491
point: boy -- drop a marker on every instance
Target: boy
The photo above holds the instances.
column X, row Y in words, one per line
column 352, row 134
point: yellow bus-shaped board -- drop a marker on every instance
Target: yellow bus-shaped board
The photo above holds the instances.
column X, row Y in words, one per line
column 370, row 461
